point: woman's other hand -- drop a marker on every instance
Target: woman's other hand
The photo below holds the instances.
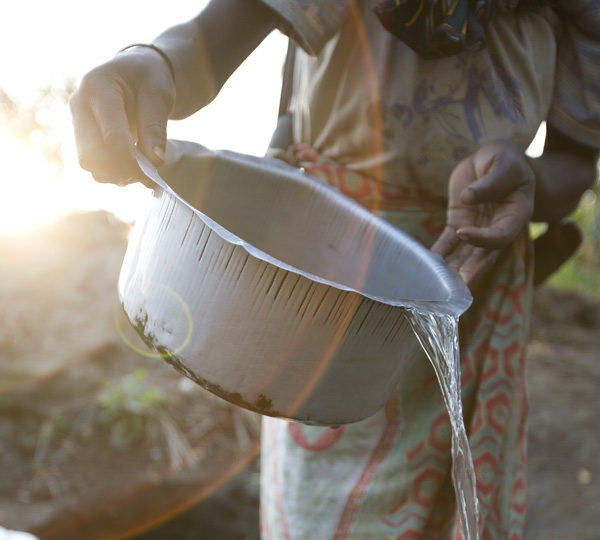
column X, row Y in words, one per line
column 125, row 101
column 490, row 200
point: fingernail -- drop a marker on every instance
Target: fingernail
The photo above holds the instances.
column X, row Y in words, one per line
column 462, row 235
column 159, row 153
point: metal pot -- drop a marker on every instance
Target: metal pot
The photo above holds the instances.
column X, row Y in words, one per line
column 275, row 291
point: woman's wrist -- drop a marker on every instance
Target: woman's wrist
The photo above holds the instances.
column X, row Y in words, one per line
column 156, row 49
column 561, row 178
column 563, row 172
column 195, row 86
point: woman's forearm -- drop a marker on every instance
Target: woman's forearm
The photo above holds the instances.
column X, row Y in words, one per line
column 207, row 50
column 563, row 173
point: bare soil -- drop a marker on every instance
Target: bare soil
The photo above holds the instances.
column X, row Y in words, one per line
column 192, row 471
column 564, row 418
column 63, row 473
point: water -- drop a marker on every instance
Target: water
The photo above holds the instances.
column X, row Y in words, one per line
column 438, row 335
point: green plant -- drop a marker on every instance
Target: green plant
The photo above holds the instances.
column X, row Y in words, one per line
column 126, row 405
column 54, row 426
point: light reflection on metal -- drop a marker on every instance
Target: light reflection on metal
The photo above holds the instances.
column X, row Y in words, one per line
column 298, row 294
column 150, row 354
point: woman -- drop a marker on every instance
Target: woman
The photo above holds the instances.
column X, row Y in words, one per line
column 422, row 115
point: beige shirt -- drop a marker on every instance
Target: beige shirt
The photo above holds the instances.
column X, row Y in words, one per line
column 366, row 100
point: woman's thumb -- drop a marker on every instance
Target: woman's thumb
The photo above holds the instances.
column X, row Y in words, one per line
column 494, row 186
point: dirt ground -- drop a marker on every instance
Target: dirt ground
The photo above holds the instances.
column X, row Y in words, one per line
column 564, row 418
column 97, row 440
column 68, row 381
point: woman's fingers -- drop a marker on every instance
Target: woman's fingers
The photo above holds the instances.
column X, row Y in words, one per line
column 466, row 258
column 477, row 264
column 87, row 136
column 126, row 100
column 492, row 237
column 471, row 262
column 494, row 186
column 447, row 242
column 461, row 257
column 505, row 221
column 501, row 169
column 105, row 145
column 490, row 200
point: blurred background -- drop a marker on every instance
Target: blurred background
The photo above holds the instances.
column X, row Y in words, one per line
column 97, row 439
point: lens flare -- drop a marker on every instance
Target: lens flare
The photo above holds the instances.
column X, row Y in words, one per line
column 149, row 354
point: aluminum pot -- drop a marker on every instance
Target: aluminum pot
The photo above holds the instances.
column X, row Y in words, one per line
column 273, row 290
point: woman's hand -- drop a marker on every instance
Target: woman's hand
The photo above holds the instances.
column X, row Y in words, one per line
column 129, row 99
column 125, row 101
column 490, row 200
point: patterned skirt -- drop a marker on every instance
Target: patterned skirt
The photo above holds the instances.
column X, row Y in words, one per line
column 388, row 477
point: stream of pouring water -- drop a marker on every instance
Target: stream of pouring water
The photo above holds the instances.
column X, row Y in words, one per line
column 438, row 335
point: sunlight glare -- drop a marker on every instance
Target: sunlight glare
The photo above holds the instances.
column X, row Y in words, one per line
column 35, row 192
column 28, row 185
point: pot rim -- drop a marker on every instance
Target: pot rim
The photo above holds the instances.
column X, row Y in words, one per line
column 459, row 297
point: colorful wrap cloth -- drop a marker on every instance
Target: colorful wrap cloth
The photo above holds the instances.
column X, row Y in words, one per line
column 388, row 477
